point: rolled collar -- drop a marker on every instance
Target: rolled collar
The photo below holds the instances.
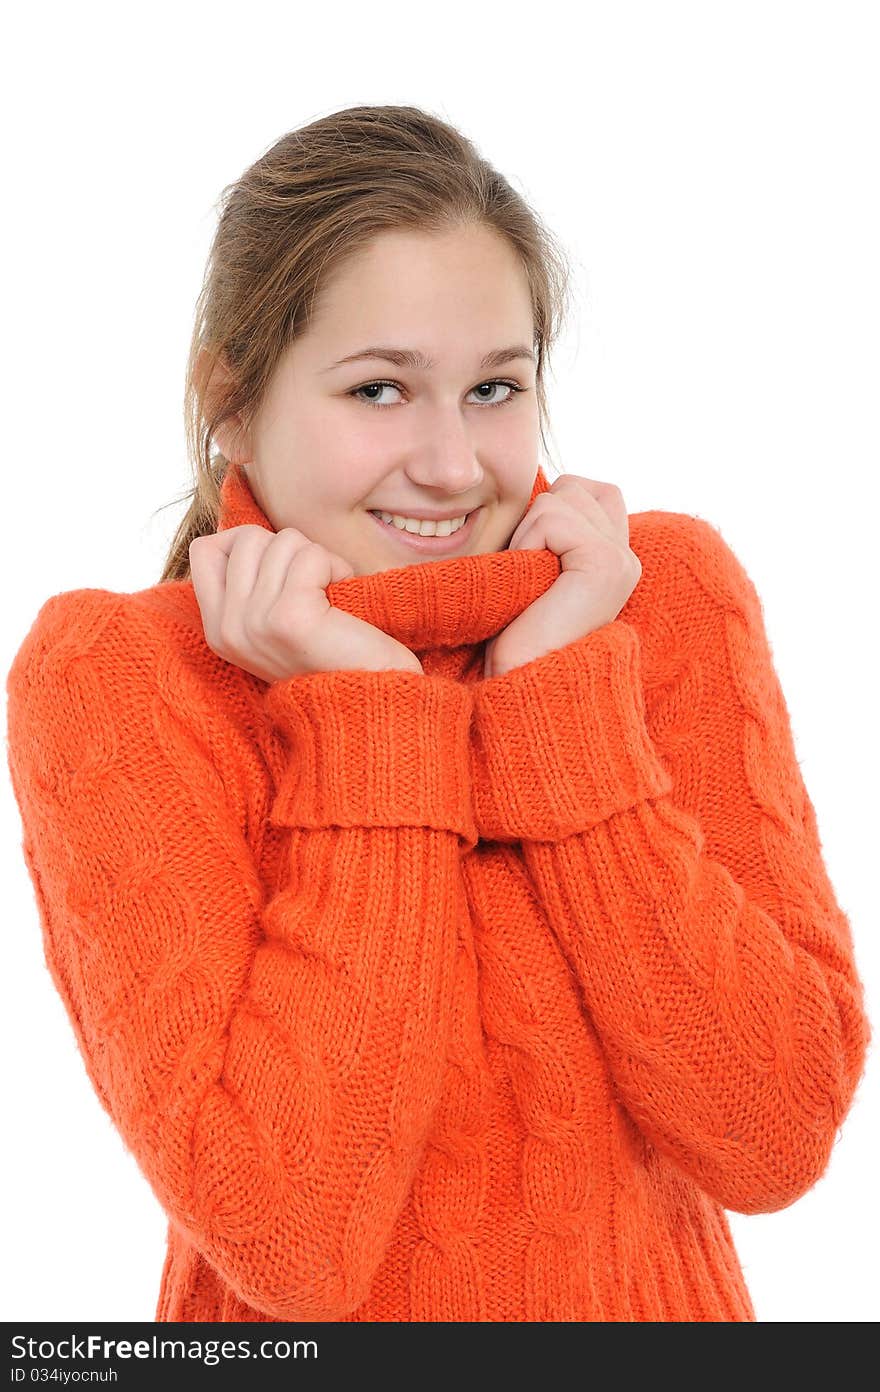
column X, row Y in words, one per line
column 449, row 603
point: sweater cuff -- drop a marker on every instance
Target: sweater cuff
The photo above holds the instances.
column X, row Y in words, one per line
column 373, row 748
column 561, row 742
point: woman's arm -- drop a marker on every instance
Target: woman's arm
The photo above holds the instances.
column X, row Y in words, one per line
column 677, row 858
column 271, row 1057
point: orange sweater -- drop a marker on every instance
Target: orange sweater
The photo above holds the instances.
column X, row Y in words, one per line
column 425, row 997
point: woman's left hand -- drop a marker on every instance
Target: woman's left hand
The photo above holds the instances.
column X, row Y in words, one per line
column 585, row 523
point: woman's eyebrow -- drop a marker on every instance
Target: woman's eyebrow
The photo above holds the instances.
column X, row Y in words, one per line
column 413, row 357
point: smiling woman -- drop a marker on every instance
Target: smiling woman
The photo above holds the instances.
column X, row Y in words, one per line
column 442, row 919
column 445, row 273
column 435, row 444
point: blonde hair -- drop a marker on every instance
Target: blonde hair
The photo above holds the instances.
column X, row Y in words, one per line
column 317, row 197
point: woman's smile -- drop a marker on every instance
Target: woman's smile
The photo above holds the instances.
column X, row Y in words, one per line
column 430, row 545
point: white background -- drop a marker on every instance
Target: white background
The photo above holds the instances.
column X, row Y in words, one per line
column 712, row 171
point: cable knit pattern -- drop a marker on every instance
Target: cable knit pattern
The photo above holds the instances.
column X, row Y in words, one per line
column 435, row 998
column 695, row 912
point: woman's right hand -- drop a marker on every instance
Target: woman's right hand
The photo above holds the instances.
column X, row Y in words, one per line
column 264, row 607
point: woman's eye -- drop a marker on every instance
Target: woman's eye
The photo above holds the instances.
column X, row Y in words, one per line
column 374, row 386
column 512, row 390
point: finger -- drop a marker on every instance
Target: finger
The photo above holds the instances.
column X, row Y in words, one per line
column 602, row 502
column 564, row 535
column 317, row 566
column 303, row 605
column 274, row 565
column 224, row 541
column 573, row 502
column 242, row 571
column 340, row 568
column 518, row 540
column 207, row 567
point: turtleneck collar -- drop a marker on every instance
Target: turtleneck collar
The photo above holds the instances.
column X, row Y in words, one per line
column 451, row 603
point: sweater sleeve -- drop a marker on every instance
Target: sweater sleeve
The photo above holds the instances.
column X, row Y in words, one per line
column 270, row 1055
column 676, row 856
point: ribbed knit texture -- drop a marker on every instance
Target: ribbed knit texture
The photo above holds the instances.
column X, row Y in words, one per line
column 431, row 998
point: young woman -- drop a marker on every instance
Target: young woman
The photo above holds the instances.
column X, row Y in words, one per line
column 440, row 910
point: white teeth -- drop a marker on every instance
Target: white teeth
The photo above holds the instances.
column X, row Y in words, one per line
column 413, row 524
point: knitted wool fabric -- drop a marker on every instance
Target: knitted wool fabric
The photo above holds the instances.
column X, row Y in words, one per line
column 435, row 998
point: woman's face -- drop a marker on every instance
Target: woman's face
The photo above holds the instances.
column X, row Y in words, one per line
column 327, row 446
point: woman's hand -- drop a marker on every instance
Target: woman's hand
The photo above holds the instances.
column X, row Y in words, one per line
column 264, row 607
column 585, row 523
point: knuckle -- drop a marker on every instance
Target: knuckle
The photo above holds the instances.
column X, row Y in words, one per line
column 212, row 640
column 623, row 561
column 609, row 490
column 276, row 622
column 228, row 636
column 283, row 618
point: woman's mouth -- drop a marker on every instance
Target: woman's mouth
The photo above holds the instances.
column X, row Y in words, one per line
column 430, row 545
